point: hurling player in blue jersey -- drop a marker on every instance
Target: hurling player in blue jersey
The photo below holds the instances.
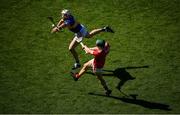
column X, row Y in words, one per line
column 68, row 21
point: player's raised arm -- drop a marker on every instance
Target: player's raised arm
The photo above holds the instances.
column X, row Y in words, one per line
column 93, row 48
column 59, row 26
column 60, row 22
column 88, row 50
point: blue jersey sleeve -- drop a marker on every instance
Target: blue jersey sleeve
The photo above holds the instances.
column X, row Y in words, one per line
column 69, row 21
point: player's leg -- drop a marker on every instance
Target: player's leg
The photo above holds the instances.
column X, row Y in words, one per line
column 87, row 65
column 77, row 39
column 99, row 30
column 72, row 47
column 94, row 32
column 103, row 82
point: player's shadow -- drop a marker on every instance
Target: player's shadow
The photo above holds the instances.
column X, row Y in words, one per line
column 121, row 74
column 140, row 102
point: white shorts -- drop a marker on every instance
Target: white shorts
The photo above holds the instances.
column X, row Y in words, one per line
column 81, row 34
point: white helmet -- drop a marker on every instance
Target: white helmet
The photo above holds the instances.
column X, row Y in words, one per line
column 65, row 11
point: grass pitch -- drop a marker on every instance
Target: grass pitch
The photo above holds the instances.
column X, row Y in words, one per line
column 35, row 65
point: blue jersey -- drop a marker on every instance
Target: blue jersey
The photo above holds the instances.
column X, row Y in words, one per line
column 71, row 21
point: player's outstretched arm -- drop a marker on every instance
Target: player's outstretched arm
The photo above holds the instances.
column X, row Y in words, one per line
column 93, row 48
column 55, row 29
column 59, row 26
column 60, row 22
column 88, row 50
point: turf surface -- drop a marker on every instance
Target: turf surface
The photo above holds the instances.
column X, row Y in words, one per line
column 35, row 65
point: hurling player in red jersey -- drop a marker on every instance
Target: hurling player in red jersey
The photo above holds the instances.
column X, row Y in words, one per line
column 97, row 63
column 68, row 21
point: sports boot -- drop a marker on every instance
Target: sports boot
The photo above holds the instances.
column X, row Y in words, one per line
column 74, row 76
column 108, row 29
column 76, row 65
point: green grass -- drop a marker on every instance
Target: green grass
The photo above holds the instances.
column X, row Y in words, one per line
column 35, row 65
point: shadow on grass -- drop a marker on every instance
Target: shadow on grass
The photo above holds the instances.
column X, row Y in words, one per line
column 143, row 103
column 121, row 74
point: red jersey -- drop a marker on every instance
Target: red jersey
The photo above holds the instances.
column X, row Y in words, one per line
column 100, row 56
